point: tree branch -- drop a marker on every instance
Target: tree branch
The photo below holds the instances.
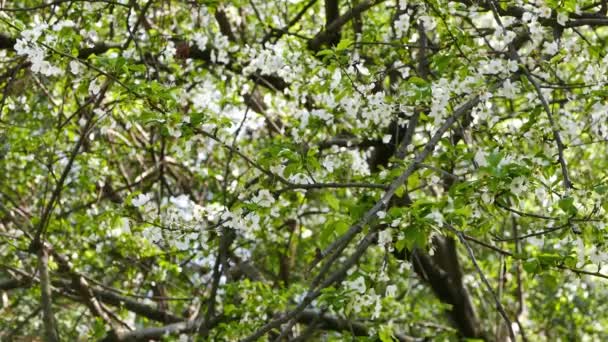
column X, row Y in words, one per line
column 484, row 280
column 50, row 326
column 326, row 35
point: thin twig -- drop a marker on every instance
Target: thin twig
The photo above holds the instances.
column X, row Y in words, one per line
column 499, row 306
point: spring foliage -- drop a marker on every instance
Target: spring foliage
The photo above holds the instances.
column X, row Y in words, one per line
column 312, row 170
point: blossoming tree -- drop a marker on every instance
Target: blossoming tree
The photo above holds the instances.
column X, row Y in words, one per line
column 303, row 170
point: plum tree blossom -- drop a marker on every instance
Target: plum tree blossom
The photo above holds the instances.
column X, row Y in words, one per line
column 303, row 170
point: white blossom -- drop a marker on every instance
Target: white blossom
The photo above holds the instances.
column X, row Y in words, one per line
column 550, row 48
column 391, row 290
column 141, row 199
column 357, row 285
column 200, row 40
column 335, row 79
column 385, row 239
column 402, row 24
column 436, row 216
column 94, row 88
column 329, row 163
column 544, row 12
column 480, row 158
column 518, row 185
column 264, row 199
column 377, row 307
column 509, row 89
column 562, row 18
column 152, row 234
column 75, row 67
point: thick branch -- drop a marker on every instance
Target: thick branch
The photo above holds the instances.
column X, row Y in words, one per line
column 329, row 322
column 330, row 31
column 50, row 327
column 332, row 12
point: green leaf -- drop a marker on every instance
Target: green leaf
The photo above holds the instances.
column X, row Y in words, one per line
column 386, row 333
column 531, row 266
column 549, row 259
column 567, row 205
column 400, row 190
column 331, row 201
column 197, row 118
column 341, row 227
column 325, row 52
column 569, row 5
column 418, row 81
column 441, row 62
column 415, row 237
column 344, row 44
column 601, row 189
column 400, row 244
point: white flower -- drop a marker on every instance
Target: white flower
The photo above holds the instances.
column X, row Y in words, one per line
column 518, row 185
column 329, row 164
column 183, row 208
column 357, row 285
column 35, row 32
column 512, row 65
column 300, row 178
column 278, row 170
column 264, row 199
column 491, row 67
column 169, row 51
column 480, row 158
column 362, row 69
column 44, row 67
column 391, row 290
column 181, row 244
column 487, row 198
column 21, row 47
column 402, row 24
column 509, row 90
column 581, row 252
column 35, row 55
column 428, row 22
column 125, row 228
column 377, row 308
column 545, row 12
column 335, row 79
column 598, row 257
column 152, row 234
column 550, row 48
column 62, row 24
column 94, row 88
column 385, row 238
column 75, row 67
column 200, row 41
column 436, row 216
column 141, row 199
column 562, row 18
column 181, row 201
column 381, row 214
column 321, row 114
